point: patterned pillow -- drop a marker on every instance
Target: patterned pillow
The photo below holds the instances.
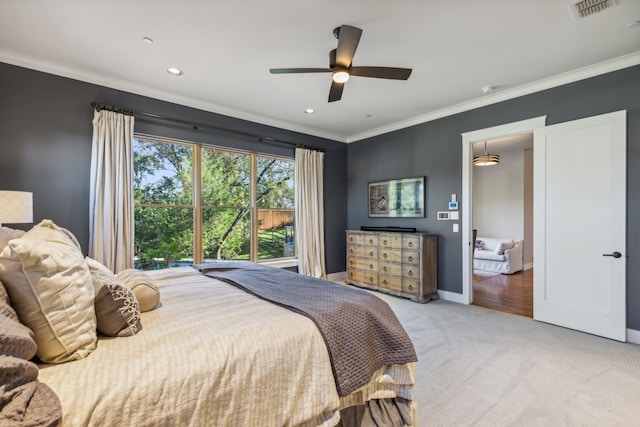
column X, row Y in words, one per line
column 117, row 310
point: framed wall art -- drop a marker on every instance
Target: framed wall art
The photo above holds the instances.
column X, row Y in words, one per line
column 401, row 198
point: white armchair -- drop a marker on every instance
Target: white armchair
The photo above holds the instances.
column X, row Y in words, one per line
column 497, row 255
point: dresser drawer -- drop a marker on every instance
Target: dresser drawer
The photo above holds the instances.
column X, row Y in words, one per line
column 410, row 242
column 357, row 263
column 390, row 269
column 391, row 255
column 411, row 287
column 370, row 278
column 411, row 257
column 355, row 251
column 391, row 283
column 370, row 252
column 410, row 272
column 354, row 275
column 393, row 241
column 355, row 239
column 370, row 239
column 370, row 265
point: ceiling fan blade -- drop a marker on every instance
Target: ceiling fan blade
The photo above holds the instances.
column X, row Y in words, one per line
column 299, row 70
column 348, row 40
column 335, row 93
column 381, row 72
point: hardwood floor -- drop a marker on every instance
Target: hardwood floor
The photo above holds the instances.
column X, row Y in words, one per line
column 511, row 293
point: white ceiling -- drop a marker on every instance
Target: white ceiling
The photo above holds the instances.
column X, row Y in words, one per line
column 226, row 47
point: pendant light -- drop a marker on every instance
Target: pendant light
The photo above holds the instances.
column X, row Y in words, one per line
column 486, row 159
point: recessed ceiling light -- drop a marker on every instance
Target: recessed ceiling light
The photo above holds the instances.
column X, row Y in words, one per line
column 309, row 111
column 147, row 40
column 174, row 71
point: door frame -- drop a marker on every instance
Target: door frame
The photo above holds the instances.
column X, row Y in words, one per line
column 468, row 138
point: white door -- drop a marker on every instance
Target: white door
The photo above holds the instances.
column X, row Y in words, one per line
column 580, row 225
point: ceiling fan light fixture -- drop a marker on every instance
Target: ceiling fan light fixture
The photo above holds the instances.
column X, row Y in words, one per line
column 486, row 159
column 340, row 76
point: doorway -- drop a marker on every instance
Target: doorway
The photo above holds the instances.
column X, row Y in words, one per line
column 503, row 211
column 468, row 139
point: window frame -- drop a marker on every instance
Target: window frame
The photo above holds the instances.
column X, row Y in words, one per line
column 196, row 197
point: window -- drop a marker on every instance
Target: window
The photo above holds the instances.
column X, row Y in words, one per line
column 195, row 204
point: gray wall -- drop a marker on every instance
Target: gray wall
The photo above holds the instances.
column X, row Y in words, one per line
column 434, row 149
column 45, row 147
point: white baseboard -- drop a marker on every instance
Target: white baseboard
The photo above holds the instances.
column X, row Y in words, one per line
column 633, row 336
column 337, row 277
column 451, row 296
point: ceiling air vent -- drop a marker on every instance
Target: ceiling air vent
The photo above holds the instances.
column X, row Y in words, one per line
column 583, row 8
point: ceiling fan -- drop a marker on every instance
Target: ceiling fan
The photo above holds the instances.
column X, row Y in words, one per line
column 340, row 64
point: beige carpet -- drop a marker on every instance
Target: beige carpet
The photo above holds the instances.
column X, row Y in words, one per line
column 479, row 367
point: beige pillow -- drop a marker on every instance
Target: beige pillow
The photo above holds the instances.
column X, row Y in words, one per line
column 117, row 310
column 50, row 288
column 142, row 286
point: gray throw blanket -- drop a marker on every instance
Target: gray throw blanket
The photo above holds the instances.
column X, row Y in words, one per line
column 360, row 331
column 24, row 401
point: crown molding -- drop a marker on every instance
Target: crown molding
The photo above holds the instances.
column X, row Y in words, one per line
column 97, row 79
column 548, row 83
column 558, row 80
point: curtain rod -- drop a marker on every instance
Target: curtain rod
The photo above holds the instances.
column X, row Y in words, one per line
column 196, row 126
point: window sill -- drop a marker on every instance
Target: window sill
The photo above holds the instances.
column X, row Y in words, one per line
column 284, row 263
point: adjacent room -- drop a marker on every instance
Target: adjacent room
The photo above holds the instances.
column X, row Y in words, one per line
column 319, row 214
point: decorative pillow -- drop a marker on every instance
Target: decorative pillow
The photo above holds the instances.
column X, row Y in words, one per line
column 142, row 286
column 503, row 246
column 50, row 287
column 117, row 310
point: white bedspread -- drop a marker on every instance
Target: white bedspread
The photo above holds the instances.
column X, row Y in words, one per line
column 211, row 355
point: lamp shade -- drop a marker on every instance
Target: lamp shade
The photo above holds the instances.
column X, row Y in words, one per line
column 486, row 159
column 16, row 207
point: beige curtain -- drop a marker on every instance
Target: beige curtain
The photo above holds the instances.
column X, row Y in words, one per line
column 309, row 212
column 111, row 192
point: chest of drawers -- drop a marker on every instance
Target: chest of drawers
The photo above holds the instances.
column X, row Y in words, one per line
column 403, row 264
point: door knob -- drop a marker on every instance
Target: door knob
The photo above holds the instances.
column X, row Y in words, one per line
column 615, row 254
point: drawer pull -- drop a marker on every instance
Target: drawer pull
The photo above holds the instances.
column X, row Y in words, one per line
column 410, row 244
column 410, row 258
column 370, row 266
column 384, row 242
column 384, row 268
column 371, row 241
column 351, row 251
column 350, row 262
column 410, row 287
column 384, row 256
column 351, row 275
column 384, row 281
column 371, row 253
column 371, row 279
column 410, row 273
column 351, row 239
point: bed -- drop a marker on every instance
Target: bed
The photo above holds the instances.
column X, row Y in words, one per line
column 214, row 354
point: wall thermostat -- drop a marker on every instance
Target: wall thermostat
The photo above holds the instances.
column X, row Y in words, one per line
column 443, row 215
